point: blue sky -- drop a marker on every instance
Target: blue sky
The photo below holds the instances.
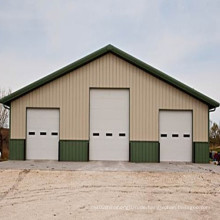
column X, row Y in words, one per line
column 181, row 38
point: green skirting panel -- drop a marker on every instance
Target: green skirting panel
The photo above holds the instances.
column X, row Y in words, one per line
column 17, row 149
column 201, row 152
column 144, row 151
column 74, row 150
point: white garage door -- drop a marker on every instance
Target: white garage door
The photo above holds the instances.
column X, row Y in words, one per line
column 42, row 134
column 109, row 124
column 176, row 136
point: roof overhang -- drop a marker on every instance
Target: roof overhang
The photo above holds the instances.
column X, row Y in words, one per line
column 212, row 104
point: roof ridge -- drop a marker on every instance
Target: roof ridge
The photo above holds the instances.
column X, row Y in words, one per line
column 127, row 57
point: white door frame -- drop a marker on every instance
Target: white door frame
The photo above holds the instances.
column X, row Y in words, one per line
column 111, row 88
column 171, row 110
column 41, row 108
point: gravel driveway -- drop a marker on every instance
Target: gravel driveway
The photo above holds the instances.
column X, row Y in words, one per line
column 103, row 190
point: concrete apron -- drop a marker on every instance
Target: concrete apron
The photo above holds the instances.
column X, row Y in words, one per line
column 109, row 166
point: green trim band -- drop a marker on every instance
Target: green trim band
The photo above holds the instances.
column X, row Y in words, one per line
column 139, row 151
column 111, row 49
column 201, row 152
column 17, row 149
column 73, row 150
column 144, row 151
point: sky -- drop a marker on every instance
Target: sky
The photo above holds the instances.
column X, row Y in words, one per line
column 180, row 38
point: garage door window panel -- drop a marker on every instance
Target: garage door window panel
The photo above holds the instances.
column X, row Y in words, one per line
column 177, row 125
column 31, row 133
column 42, row 134
column 109, row 116
column 54, row 133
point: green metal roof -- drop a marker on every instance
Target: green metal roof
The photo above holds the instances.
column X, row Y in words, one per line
column 110, row 49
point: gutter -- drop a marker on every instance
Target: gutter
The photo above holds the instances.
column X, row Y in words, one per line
column 5, row 106
column 212, row 110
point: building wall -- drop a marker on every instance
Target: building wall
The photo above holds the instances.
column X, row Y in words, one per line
column 70, row 93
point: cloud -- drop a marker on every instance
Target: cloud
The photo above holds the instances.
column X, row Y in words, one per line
column 181, row 38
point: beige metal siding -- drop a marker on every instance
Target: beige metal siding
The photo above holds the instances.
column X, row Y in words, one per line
column 148, row 94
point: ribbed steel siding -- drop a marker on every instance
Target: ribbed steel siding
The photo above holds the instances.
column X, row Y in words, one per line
column 143, row 151
column 148, row 94
column 73, row 150
column 201, row 152
column 17, row 149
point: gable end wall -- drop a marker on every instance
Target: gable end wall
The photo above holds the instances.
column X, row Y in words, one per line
column 70, row 93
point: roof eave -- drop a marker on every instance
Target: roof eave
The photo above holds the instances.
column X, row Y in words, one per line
column 127, row 57
column 159, row 74
column 77, row 64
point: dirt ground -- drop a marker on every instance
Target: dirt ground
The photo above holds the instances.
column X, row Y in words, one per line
column 35, row 194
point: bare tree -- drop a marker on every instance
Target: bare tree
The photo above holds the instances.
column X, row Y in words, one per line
column 4, row 113
column 214, row 135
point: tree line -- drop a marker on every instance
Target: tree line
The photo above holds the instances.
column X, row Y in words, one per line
column 214, row 135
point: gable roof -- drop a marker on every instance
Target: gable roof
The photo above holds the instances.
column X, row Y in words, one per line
column 110, row 49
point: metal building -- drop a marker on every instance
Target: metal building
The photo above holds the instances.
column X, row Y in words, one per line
column 109, row 106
